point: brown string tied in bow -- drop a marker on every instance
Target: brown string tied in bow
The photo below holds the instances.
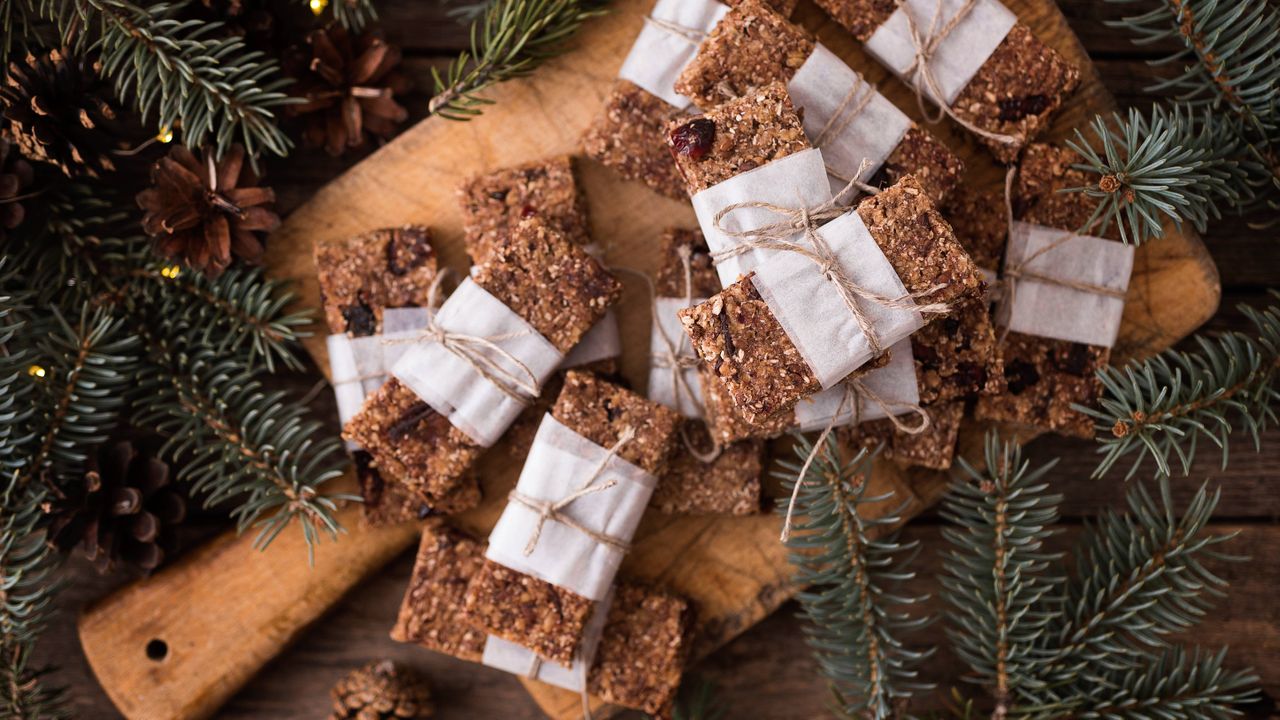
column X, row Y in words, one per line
column 519, row 384
column 854, row 390
column 551, row 510
column 926, row 46
column 775, row 237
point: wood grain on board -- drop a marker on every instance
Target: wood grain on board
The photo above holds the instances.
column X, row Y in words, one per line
column 733, row 568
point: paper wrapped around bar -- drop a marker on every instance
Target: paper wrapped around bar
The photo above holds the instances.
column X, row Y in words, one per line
column 1046, row 309
column 519, row 660
column 559, row 463
column 664, row 387
column 359, row 366
column 667, row 43
column 845, row 117
column 601, row 342
column 957, row 57
column 895, row 384
column 453, row 387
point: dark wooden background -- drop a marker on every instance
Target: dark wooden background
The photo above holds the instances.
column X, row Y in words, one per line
column 766, row 673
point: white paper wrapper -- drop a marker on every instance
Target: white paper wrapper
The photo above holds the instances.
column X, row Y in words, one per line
column 1053, row 311
column 895, row 383
column 959, row 55
column 519, row 660
column 659, row 56
column 794, row 181
column 601, row 342
column 814, row 316
column 359, row 366
column 559, row 462
column 452, row 387
column 662, row 380
column 829, row 92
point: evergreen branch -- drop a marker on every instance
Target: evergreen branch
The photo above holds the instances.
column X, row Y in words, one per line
column 236, row 441
column 702, row 706
column 353, row 14
column 1175, row 686
column 1174, row 165
column 511, row 40
column 855, row 610
column 1228, row 60
column 181, row 72
column 997, row 578
column 15, row 391
column 1161, row 407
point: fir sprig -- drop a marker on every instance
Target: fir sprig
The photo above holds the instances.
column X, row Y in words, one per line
column 852, row 567
column 352, row 14
column 512, row 39
column 1164, row 406
column 1177, row 683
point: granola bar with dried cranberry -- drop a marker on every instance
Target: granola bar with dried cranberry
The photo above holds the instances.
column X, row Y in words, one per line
column 360, row 277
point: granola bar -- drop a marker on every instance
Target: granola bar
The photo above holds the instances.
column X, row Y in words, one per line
column 630, row 137
column 430, row 614
column 386, row 502
column 924, row 157
column 957, row 357
column 934, row 448
column 495, row 203
column 643, row 650
column 670, row 279
column 750, row 351
column 600, row 411
column 364, row 275
column 980, row 223
column 1015, row 92
column 728, row 485
column 740, row 135
column 542, row 617
column 1044, row 377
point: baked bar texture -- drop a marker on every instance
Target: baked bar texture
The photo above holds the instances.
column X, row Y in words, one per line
column 431, row 612
column 927, row 159
column 935, row 448
column 601, row 411
column 728, row 485
column 740, row 135
column 1017, row 90
column 630, row 137
column 422, row 461
column 736, row 332
column 725, row 422
column 1045, row 377
column 519, row 438
column 360, row 277
column 534, row 613
column 643, row 651
column 980, row 222
column 670, row 280
column 957, row 357
column 387, row 500
column 495, row 203
column 550, row 281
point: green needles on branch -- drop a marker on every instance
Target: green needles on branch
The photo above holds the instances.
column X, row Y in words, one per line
column 510, row 40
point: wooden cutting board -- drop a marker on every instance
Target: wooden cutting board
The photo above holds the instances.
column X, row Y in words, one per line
column 182, row 642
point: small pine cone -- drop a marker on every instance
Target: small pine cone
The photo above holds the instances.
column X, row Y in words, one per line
column 349, row 86
column 381, row 691
column 16, row 176
column 125, row 511
column 59, row 113
column 203, row 213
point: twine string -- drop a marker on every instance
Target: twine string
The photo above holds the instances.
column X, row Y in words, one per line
column 693, row 35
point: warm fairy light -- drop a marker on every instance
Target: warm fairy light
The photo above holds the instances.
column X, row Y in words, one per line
column 35, row 371
column 165, row 135
column 318, row 6
column 171, row 272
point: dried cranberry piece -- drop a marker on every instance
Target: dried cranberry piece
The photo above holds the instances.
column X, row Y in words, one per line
column 1021, row 375
column 528, row 211
column 1075, row 360
column 411, row 243
column 974, row 376
column 951, row 325
column 360, row 320
column 693, row 139
column 1014, row 109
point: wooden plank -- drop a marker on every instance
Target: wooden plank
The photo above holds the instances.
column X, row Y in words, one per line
column 734, row 569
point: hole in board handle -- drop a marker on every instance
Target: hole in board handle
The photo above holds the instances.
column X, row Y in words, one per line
column 157, row 650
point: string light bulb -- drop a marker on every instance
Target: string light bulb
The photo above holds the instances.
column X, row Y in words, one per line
column 318, row 6
column 35, row 371
column 171, row 271
column 165, row 135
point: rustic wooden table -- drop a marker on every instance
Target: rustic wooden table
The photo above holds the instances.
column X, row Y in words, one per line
column 766, row 673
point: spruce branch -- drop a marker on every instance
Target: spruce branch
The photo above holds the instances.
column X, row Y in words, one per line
column 1174, row 165
column 1164, row 406
column 852, row 567
column 181, row 72
column 1177, row 685
column 512, row 39
column 999, row 581
column 352, row 14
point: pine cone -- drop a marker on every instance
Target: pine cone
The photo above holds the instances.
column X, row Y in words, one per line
column 349, row 85
column 59, row 113
column 126, row 510
column 203, row 213
column 16, row 177
column 381, row 690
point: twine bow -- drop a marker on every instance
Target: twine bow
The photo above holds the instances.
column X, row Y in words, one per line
column 520, row 384
column 775, row 236
column 854, row 390
column 926, row 46
column 549, row 510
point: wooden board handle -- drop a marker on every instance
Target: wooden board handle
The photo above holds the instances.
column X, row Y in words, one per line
column 180, row 643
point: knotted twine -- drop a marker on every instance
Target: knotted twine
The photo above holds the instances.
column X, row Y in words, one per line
column 520, row 384
column 849, row 109
column 925, row 48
